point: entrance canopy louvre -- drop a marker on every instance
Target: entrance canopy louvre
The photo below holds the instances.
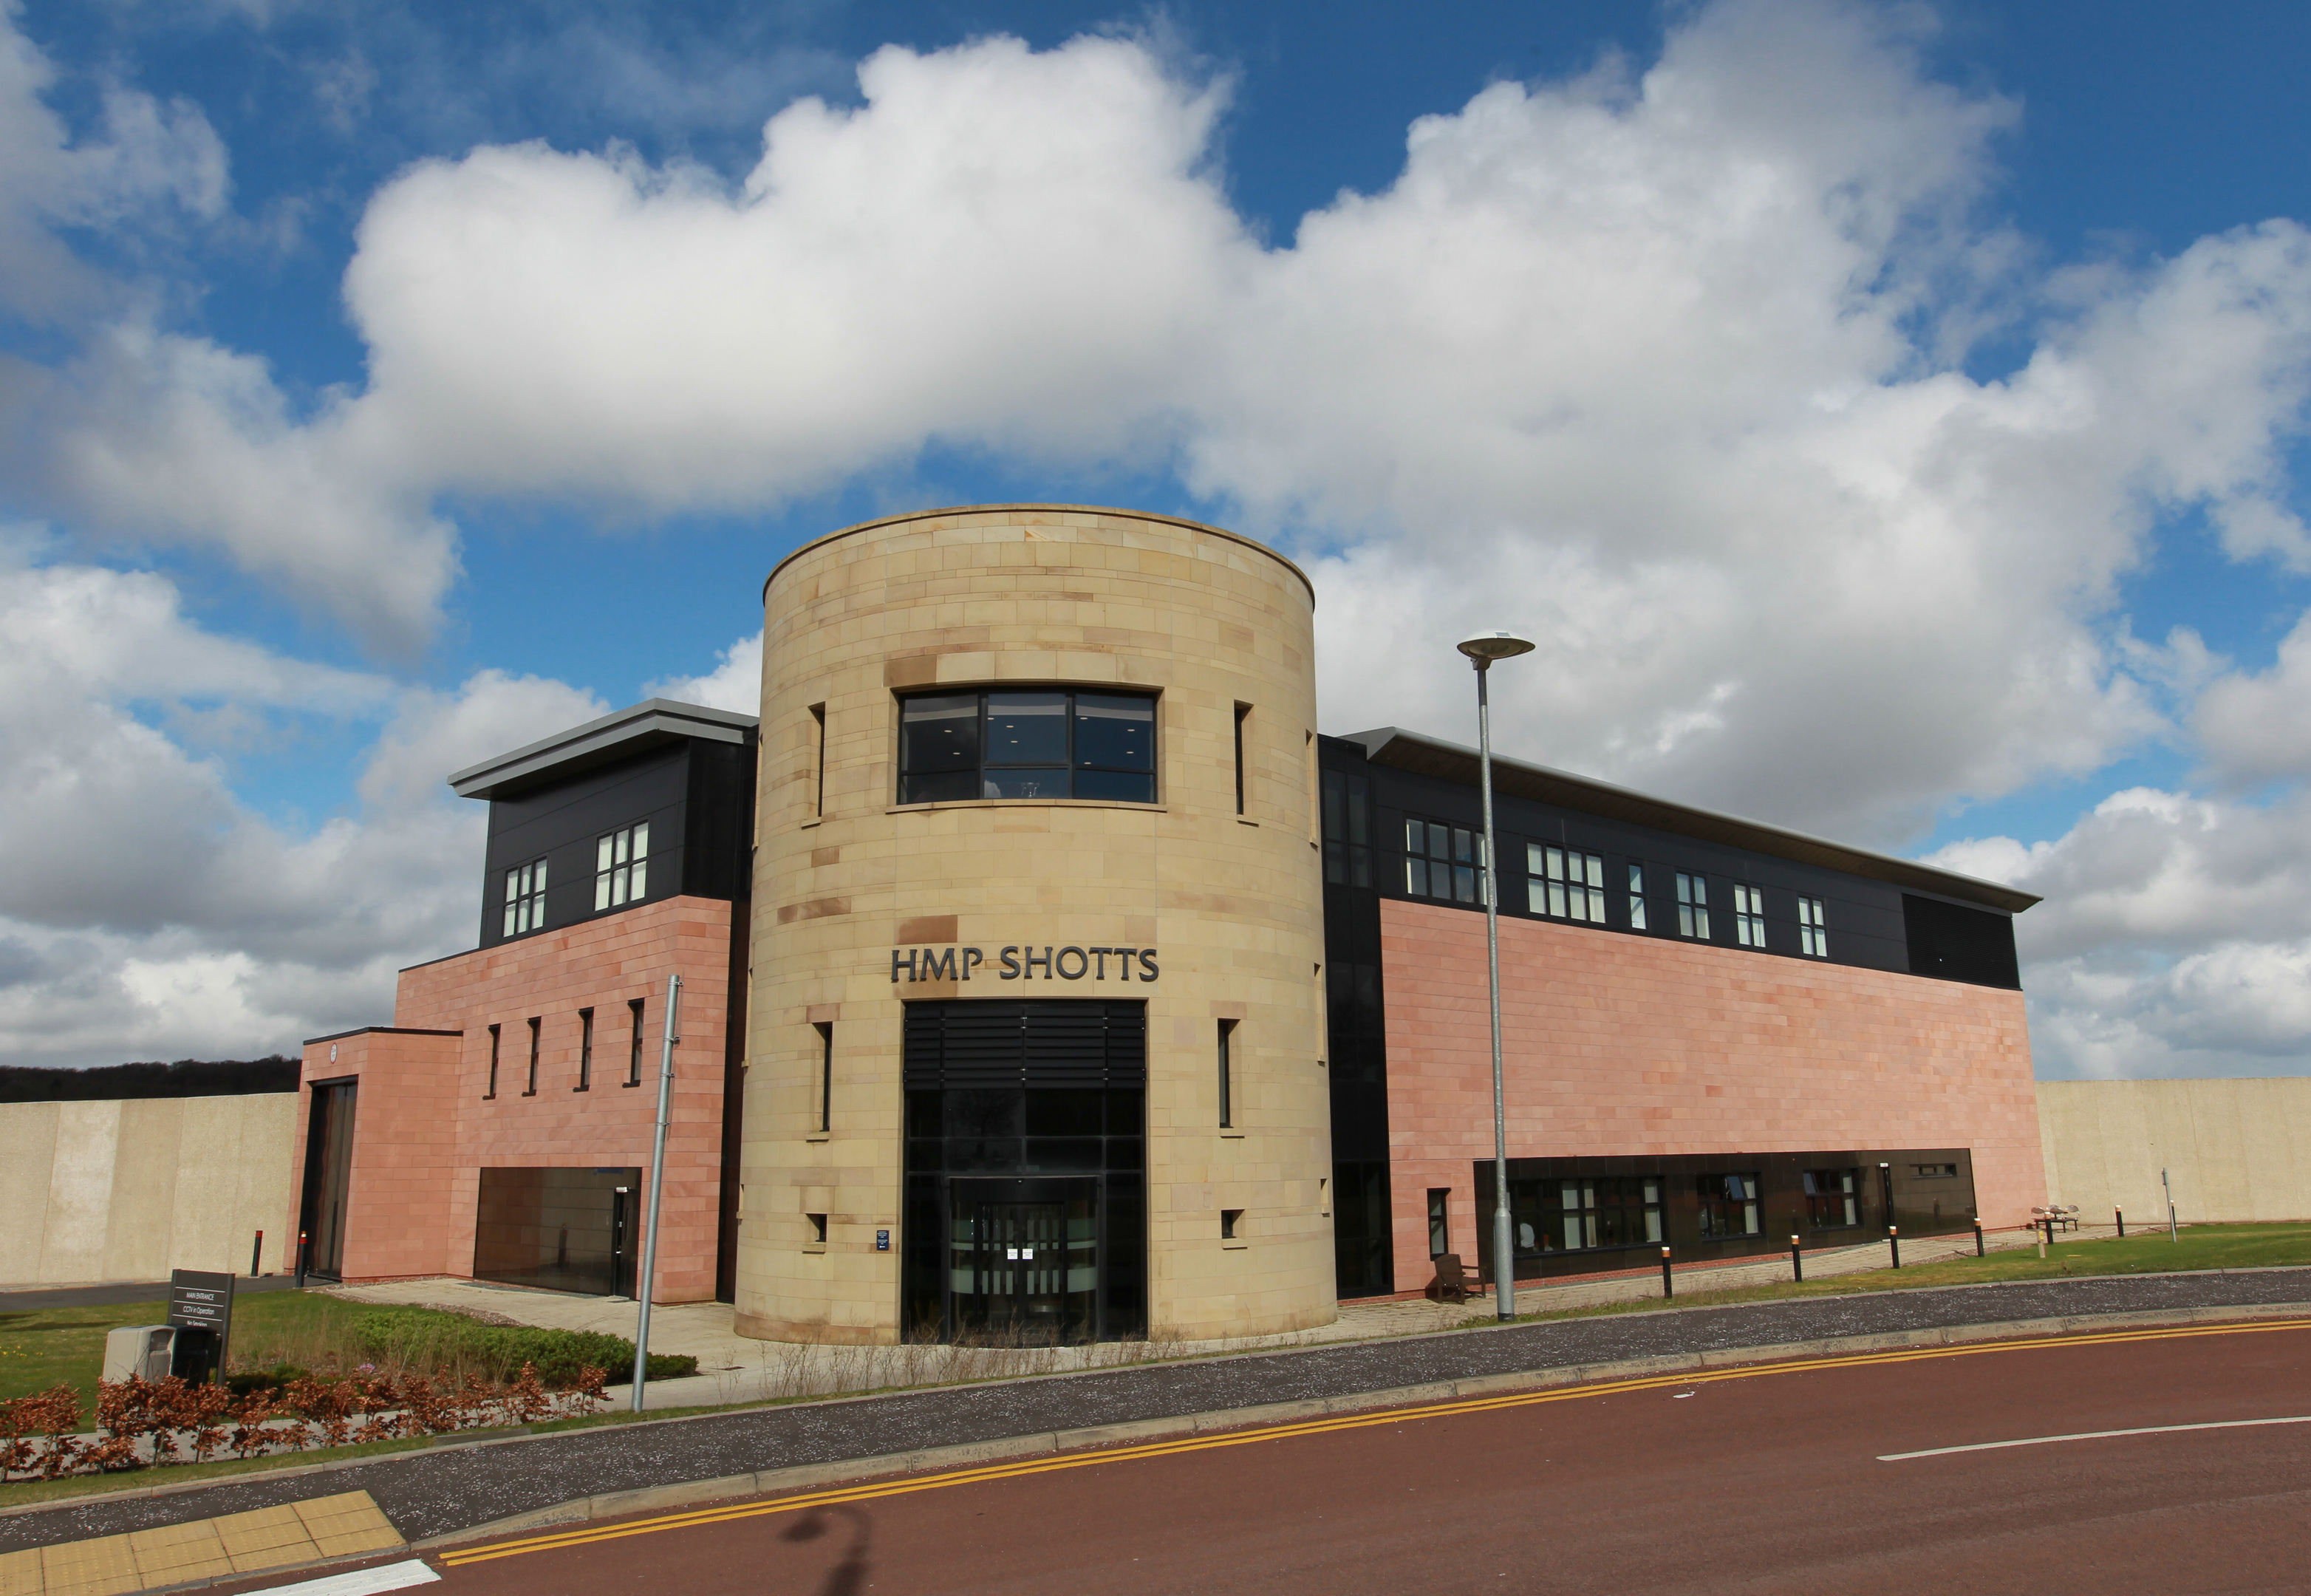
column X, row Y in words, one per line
column 1055, row 1044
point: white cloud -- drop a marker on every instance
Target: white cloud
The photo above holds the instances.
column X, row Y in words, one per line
column 2257, row 726
column 735, row 684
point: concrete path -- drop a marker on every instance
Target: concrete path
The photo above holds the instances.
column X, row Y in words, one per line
column 457, row 1488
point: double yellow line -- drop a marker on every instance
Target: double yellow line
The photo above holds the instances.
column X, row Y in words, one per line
column 588, row 1535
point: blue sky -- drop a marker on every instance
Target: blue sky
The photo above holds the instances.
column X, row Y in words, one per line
column 1892, row 418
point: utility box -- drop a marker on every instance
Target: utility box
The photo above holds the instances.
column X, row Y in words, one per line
column 141, row 1350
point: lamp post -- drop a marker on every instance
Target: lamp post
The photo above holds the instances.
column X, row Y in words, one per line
column 1482, row 649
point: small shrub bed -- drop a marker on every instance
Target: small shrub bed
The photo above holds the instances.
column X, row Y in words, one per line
column 424, row 1339
column 142, row 1423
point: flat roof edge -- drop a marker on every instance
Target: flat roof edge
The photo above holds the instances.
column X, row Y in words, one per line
column 1669, row 815
column 596, row 738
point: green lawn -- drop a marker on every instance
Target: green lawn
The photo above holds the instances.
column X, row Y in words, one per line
column 2200, row 1247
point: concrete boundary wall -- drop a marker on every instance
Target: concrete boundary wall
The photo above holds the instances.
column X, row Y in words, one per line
column 129, row 1190
column 2236, row 1149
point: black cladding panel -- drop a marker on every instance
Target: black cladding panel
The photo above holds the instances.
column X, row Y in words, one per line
column 1955, row 943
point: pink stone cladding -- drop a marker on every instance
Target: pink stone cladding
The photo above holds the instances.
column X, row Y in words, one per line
column 1617, row 1045
column 423, row 1129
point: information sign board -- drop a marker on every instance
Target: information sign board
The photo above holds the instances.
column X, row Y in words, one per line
column 201, row 1300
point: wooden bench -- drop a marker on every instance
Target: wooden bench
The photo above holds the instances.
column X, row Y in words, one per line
column 1451, row 1283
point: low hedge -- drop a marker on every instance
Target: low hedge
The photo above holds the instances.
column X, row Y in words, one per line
column 420, row 1338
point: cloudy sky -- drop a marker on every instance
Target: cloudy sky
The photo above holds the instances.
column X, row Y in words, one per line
column 1891, row 419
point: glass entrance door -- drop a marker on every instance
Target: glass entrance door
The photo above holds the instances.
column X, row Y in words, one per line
column 1025, row 1272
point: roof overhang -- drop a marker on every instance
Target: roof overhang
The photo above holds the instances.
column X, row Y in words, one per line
column 1451, row 762
column 653, row 723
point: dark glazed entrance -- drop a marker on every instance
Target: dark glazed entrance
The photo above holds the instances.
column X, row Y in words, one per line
column 1025, row 1222
column 329, row 1176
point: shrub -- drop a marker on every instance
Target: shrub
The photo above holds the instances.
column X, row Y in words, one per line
column 418, row 1338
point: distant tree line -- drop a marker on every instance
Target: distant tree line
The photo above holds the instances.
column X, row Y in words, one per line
column 187, row 1078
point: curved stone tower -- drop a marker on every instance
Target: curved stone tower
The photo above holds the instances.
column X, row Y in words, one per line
column 1036, row 1048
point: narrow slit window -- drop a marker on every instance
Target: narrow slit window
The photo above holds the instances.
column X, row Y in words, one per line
column 1231, row 1225
column 1242, row 711
column 826, row 1076
column 1348, row 830
column 585, row 1051
column 1439, row 1221
column 622, row 866
column 494, row 1031
column 1693, row 906
column 818, row 1232
column 1813, row 930
column 1227, row 1074
column 1636, row 897
column 635, row 1047
column 818, row 759
column 536, row 1025
column 1750, row 917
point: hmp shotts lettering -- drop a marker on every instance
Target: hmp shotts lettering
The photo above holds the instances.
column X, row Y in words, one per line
column 957, row 964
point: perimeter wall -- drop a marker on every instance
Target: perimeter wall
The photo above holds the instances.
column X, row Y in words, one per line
column 129, row 1190
column 2236, row 1149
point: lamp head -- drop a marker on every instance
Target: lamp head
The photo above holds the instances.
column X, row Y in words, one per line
column 1484, row 647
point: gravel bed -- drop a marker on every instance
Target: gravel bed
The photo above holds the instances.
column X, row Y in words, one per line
column 436, row 1493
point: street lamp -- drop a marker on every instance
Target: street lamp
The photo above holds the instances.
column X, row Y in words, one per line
column 1482, row 649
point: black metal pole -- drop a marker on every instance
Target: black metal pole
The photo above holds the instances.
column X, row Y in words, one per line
column 303, row 1249
column 1668, row 1286
column 1797, row 1261
column 1894, row 1241
column 2121, row 1216
column 2050, row 1229
column 1978, row 1251
column 257, row 1256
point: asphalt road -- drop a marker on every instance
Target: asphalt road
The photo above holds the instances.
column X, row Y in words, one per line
column 1763, row 1482
column 439, row 1493
column 125, row 1291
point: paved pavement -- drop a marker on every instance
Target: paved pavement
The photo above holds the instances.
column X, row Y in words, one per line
column 1751, row 1482
column 443, row 1492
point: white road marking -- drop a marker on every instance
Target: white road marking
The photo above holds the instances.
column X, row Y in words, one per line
column 366, row 1582
column 2227, row 1424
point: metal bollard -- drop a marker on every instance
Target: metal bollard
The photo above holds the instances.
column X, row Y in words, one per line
column 1894, row 1241
column 1978, row 1250
column 303, row 1249
column 2120, row 1214
column 1797, row 1261
column 2050, row 1229
column 1668, row 1286
column 257, row 1256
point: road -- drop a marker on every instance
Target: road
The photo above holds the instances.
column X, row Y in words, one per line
column 1754, row 1480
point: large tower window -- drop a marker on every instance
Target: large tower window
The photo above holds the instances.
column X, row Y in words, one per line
column 954, row 747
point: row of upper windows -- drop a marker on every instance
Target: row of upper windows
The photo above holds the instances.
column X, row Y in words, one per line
column 1447, row 862
column 621, row 876
column 536, row 1025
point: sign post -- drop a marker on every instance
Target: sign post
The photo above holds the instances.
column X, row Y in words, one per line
column 200, row 1309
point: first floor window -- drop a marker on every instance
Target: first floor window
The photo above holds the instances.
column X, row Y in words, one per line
column 1439, row 1221
column 585, row 1050
column 525, row 899
column 1564, row 883
column 1348, row 830
column 1228, row 1077
column 1611, row 1210
column 1693, row 906
column 1443, row 861
column 1750, row 917
column 1729, row 1207
column 535, row 1026
column 1813, row 930
column 635, row 1047
column 1833, row 1197
column 493, row 1063
column 826, row 1029
column 622, row 866
column 1053, row 744
column 1636, row 897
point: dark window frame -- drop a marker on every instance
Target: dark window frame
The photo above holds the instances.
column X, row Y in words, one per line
column 492, row 1092
column 1819, row 1195
column 1476, row 867
column 1348, row 830
column 1720, row 1215
column 1242, row 712
column 635, row 1047
column 1439, row 1221
column 585, row 1051
column 537, row 1030
column 826, row 1029
column 818, row 757
column 1590, row 1212
column 1227, row 1074
column 1070, row 762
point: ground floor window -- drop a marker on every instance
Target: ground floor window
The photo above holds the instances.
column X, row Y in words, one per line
column 1833, row 1197
column 560, row 1229
column 1729, row 1207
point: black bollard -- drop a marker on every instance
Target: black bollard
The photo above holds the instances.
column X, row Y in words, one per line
column 1894, row 1241
column 2050, row 1229
column 2120, row 1214
column 257, row 1256
column 1978, row 1251
column 1797, row 1260
column 1668, row 1286
column 301, row 1249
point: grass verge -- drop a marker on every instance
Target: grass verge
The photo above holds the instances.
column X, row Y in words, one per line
column 2200, row 1247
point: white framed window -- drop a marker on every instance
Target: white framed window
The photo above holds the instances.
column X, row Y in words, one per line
column 1693, row 906
column 622, row 866
column 1564, row 883
column 1443, row 861
column 1749, row 916
column 1813, row 930
column 1636, row 897
column 525, row 899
